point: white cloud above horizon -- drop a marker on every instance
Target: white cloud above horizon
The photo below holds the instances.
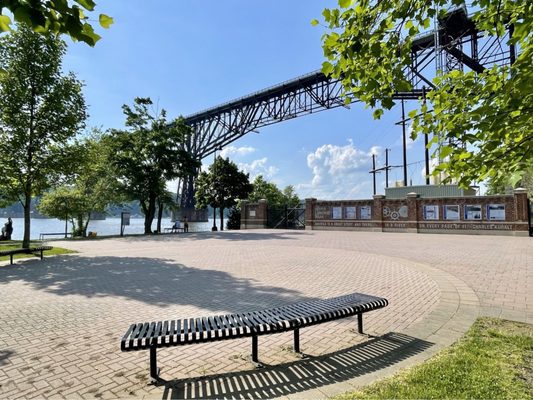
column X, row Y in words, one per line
column 229, row 151
column 259, row 167
column 339, row 171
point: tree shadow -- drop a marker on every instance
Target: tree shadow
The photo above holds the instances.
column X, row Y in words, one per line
column 156, row 282
column 294, row 377
column 229, row 235
column 4, row 355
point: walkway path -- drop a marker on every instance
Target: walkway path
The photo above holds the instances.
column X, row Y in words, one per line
column 62, row 318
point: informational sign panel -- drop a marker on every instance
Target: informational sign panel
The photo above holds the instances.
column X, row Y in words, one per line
column 451, row 212
column 496, row 212
column 350, row 213
column 126, row 218
column 431, row 212
column 473, row 212
column 124, row 221
column 336, row 212
column 322, row 212
column 366, row 212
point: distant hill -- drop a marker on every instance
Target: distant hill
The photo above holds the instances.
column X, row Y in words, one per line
column 17, row 211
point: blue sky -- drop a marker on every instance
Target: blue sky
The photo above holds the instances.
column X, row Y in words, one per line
column 189, row 55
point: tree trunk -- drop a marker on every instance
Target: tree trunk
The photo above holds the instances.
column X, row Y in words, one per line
column 160, row 209
column 221, row 218
column 149, row 216
column 27, row 216
column 84, row 232
column 79, row 227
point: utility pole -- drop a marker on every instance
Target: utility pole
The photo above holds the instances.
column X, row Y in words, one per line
column 373, row 172
column 387, row 168
column 426, row 141
column 404, row 146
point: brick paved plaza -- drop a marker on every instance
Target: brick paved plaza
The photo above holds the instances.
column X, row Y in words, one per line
column 62, row 318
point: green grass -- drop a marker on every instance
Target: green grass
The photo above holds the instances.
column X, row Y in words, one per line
column 16, row 244
column 493, row 360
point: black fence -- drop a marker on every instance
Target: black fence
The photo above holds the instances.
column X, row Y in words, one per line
column 286, row 218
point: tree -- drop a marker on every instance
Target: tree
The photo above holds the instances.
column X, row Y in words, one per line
column 234, row 217
column 40, row 111
column 148, row 155
column 505, row 184
column 270, row 192
column 55, row 17
column 91, row 188
column 290, row 197
column 266, row 190
column 482, row 120
column 222, row 186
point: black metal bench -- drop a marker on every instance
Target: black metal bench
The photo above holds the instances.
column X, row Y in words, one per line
column 153, row 335
column 38, row 251
column 64, row 234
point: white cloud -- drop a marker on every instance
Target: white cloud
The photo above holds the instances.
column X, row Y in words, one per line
column 236, row 151
column 259, row 167
column 339, row 171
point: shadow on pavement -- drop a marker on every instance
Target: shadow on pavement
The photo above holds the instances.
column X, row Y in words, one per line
column 4, row 355
column 299, row 376
column 223, row 235
column 157, row 282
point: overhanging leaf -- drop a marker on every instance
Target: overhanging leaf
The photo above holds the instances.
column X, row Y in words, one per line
column 105, row 21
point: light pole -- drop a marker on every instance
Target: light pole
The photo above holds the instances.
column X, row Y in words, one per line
column 66, row 219
column 214, row 228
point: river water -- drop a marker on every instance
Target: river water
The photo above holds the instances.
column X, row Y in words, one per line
column 109, row 226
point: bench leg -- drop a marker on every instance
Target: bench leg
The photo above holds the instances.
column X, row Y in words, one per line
column 360, row 323
column 255, row 352
column 296, row 346
column 154, row 371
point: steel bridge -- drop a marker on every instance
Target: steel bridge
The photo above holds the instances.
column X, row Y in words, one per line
column 455, row 44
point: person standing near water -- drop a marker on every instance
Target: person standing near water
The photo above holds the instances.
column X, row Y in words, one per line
column 7, row 230
column 185, row 225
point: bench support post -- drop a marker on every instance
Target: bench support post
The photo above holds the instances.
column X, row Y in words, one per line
column 296, row 346
column 360, row 323
column 154, row 371
column 255, row 352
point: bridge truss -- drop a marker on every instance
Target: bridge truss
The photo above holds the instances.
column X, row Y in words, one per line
column 455, row 44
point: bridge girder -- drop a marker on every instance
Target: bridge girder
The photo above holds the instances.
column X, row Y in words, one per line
column 437, row 52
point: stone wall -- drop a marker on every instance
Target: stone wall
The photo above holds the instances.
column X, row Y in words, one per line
column 501, row 215
column 254, row 215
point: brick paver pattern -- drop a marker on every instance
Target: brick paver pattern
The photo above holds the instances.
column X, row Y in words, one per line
column 62, row 318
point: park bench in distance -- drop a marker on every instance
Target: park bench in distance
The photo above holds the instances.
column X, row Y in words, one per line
column 153, row 335
column 174, row 229
column 37, row 251
column 64, row 234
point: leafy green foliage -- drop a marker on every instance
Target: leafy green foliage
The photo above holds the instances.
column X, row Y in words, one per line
column 41, row 110
column 234, row 218
column 91, row 189
column 489, row 362
column 270, row 192
column 149, row 154
column 505, row 184
column 56, row 17
column 482, row 122
column 222, row 186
